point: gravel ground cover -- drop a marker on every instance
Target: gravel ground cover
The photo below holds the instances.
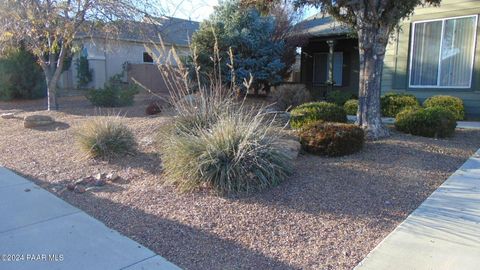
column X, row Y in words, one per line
column 328, row 215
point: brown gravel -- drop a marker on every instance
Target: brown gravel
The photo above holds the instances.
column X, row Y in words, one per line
column 328, row 215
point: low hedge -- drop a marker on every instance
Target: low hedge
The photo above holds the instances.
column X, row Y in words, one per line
column 454, row 104
column 314, row 111
column 331, row 139
column 351, row 106
column 436, row 122
column 393, row 103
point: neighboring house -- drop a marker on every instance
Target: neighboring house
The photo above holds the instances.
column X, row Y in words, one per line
column 126, row 52
column 436, row 51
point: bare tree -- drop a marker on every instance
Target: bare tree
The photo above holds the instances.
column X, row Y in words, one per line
column 48, row 28
column 373, row 21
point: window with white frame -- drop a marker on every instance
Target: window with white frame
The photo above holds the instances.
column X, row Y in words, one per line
column 442, row 52
column 321, row 68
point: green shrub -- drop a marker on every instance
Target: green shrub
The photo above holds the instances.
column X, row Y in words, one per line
column 313, row 111
column 393, row 103
column 339, row 97
column 331, row 139
column 105, row 137
column 429, row 122
column 21, row 76
column 234, row 152
column 114, row 94
column 290, row 95
column 454, row 104
column 351, row 106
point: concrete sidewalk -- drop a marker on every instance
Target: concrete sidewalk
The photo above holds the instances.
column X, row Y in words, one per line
column 391, row 121
column 40, row 231
column 442, row 233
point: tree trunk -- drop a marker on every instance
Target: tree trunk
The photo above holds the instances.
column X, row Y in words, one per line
column 372, row 44
column 52, row 95
column 52, row 71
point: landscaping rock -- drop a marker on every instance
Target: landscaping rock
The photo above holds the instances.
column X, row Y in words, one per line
column 79, row 189
column 37, row 121
column 84, row 181
column 71, row 186
column 153, row 108
column 290, row 147
column 7, row 115
column 99, row 176
column 112, row 177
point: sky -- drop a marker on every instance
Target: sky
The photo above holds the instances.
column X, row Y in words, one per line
column 198, row 10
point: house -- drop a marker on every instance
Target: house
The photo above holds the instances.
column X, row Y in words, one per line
column 126, row 52
column 436, row 51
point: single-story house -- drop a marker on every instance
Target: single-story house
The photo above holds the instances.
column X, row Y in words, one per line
column 436, row 51
column 126, row 52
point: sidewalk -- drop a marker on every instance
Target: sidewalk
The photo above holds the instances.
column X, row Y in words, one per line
column 442, row 233
column 460, row 124
column 40, row 231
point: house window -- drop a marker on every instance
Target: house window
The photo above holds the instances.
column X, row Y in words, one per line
column 442, row 53
column 147, row 58
column 321, row 68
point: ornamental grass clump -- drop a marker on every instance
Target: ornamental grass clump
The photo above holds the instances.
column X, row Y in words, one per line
column 105, row 137
column 216, row 142
column 237, row 152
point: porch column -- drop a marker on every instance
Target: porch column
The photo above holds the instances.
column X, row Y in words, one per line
column 331, row 49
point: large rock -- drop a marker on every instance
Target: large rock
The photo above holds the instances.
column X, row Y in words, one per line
column 7, row 115
column 37, row 121
column 279, row 118
column 290, row 147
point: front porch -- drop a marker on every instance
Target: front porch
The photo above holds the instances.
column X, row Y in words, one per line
column 330, row 63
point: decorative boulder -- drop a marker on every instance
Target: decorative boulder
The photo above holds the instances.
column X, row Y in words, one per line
column 291, row 148
column 153, row 108
column 7, row 115
column 32, row 121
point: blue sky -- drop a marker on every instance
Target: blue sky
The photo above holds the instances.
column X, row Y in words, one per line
column 197, row 10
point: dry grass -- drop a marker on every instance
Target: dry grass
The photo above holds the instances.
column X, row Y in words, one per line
column 328, row 215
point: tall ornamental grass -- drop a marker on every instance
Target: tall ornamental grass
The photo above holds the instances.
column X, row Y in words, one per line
column 215, row 141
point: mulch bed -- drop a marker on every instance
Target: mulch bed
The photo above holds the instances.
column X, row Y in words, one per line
column 328, row 215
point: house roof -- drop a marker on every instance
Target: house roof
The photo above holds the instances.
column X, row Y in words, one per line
column 171, row 30
column 323, row 25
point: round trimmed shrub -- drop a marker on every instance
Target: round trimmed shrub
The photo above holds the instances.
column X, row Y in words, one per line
column 454, row 104
column 314, row 111
column 105, row 137
column 393, row 103
column 331, row 139
column 351, row 106
column 436, row 122
column 339, row 97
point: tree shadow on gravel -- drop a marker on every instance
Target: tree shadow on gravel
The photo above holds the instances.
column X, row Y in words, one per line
column 187, row 247
column 56, row 126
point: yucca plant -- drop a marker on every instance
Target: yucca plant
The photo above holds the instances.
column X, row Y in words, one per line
column 105, row 137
